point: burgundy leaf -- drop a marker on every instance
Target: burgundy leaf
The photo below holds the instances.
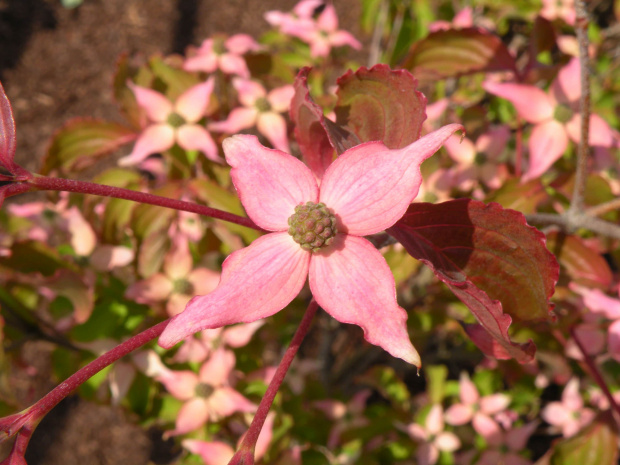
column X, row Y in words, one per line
column 9, row 170
column 456, row 52
column 310, row 132
column 381, row 104
column 490, row 258
column 7, row 133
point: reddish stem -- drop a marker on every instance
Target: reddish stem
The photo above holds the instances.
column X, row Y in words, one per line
column 84, row 187
column 34, row 414
column 251, row 436
column 595, row 373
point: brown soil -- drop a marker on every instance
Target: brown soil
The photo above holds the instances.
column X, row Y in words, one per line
column 56, row 64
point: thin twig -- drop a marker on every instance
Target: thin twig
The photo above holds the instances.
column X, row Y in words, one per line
column 581, row 175
column 595, row 373
column 603, row 208
column 579, row 221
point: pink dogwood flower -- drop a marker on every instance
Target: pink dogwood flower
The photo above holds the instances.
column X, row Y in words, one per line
column 433, row 437
column 569, row 416
column 172, row 122
column 321, row 34
column 505, row 448
column 260, row 108
column 225, row 55
column 555, row 115
column 316, row 232
column 478, row 410
column 208, row 395
column 562, row 9
column 479, row 160
column 178, row 282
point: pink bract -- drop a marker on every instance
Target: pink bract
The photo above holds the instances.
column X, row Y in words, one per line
column 555, row 116
column 368, row 188
column 163, row 131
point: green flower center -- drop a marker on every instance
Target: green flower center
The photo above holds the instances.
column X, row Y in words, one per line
column 218, row 46
column 204, row 390
column 183, row 286
column 480, row 159
column 175, row 120
column 562, row 113
column 312, row 226
column 262, row 104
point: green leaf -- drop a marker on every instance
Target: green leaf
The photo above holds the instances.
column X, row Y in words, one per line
column 452, row 52
column 82, row 142
column 597, row 444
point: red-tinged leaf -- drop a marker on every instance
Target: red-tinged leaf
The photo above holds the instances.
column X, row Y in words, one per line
column 456, row 52
column 381, row 104
column 310, row 131
column 489, row 257
column 521, row 197
column 81, row 142
column 7, row 133
column 584, row 265
column 491, row 346
column 597, row 444
column 74, row 287
column 9, row 170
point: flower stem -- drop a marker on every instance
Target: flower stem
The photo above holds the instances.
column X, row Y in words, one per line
column 595, row 373
column 84, row 187
column 34, row 414
column 251, row 436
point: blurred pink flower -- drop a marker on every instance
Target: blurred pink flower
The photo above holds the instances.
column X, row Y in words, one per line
column 478, row 410
column 207, row 395
column 562, row 9
column 178, row 283
column 260, row 108
column 568, row 416
column 171, row 122
column 505, row 447
column 432, row 437
column 369, row 188
column 461, row 20
column 223, row 54
column 197, row 349
column 344, row 416
column 321, row 34
column 555, row 115
column 479, row 161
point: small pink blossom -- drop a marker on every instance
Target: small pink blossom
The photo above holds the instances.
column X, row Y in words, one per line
column 568, row 416
column 197, row 349
column 555, row 116
column 344, row 416
column 461, row 20
column 208, row 395
column 369, row 187
column 562, row 9
column 171, row 122
column 178, row 282
column 432, row 437
column 321, row 34
column 225, row 55
column 479, row 161
column 261, row 108
column 478, row 410
column 506, row 447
